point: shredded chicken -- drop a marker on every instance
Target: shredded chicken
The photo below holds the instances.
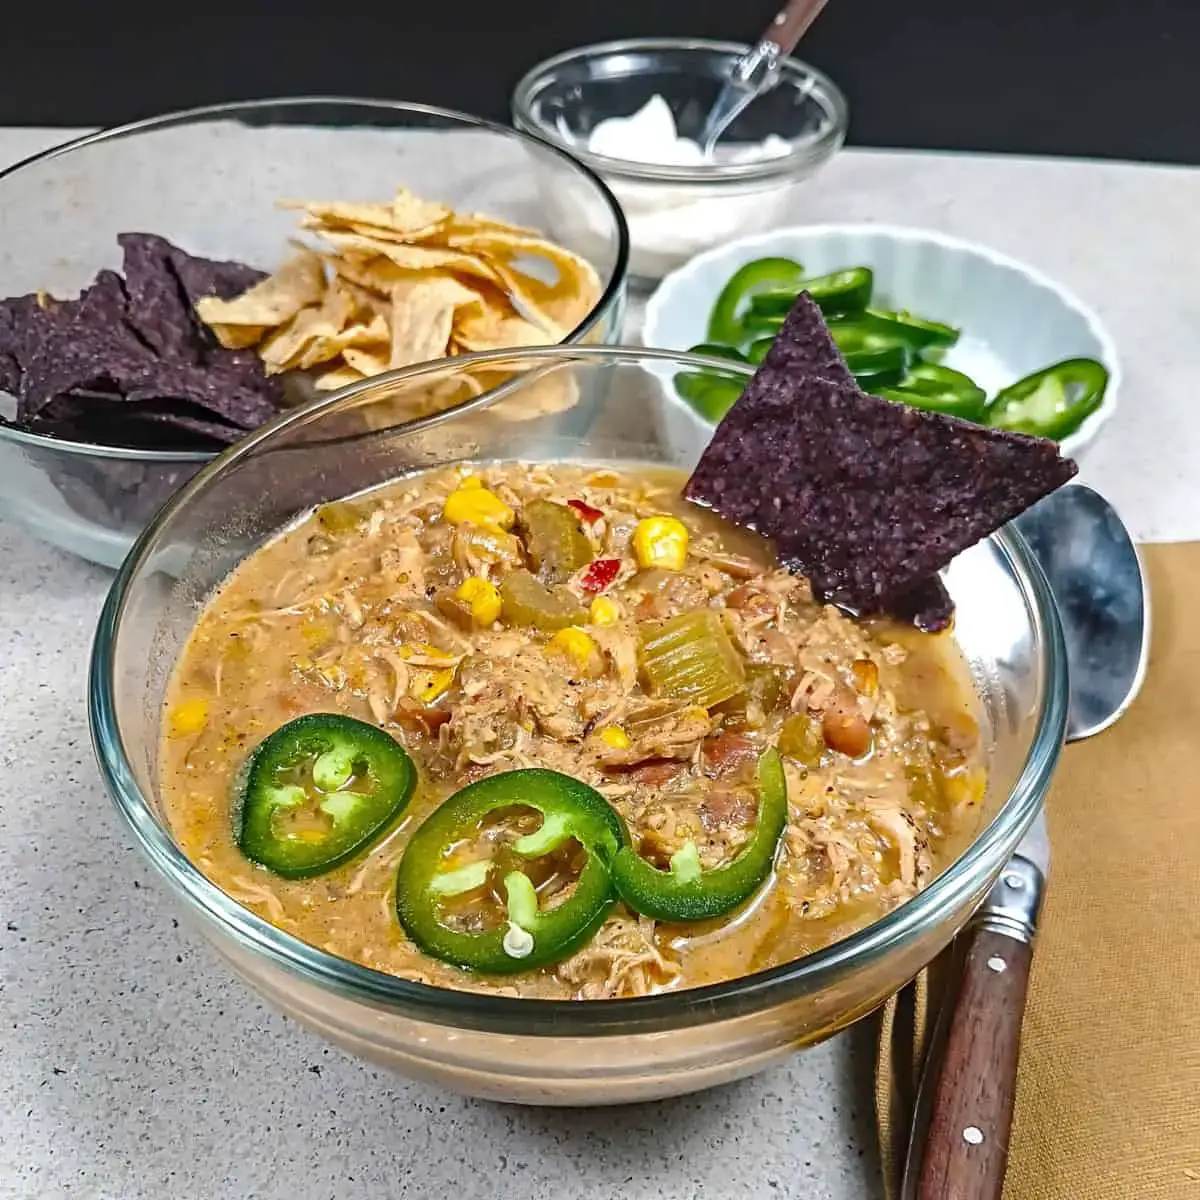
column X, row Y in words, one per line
column 623, row 959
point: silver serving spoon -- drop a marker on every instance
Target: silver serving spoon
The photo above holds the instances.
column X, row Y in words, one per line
column 757, row 71
column 1098, row 582
column 964, row 1107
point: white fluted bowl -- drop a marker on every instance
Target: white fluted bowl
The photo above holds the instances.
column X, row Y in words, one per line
column 1014, row 319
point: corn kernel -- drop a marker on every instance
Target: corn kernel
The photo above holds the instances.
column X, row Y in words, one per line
column 604, row 611
column 189, row 717
column 577, row 646
column 661, row 542
column 426, row 682
column 482, row 598
column 477, row 506
column 471, row 481
column 426, row 686
column 614, row 736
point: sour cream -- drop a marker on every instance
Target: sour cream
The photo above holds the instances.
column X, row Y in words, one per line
column 671, row 222
column 650, row 136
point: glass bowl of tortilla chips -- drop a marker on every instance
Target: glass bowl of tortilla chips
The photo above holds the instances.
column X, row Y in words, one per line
column 175, row 283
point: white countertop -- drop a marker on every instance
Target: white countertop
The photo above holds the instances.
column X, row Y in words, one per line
column 133, row 1066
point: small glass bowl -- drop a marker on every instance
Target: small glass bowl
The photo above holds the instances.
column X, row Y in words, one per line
column 675, row 212
column 597, row 405
column 209, row 179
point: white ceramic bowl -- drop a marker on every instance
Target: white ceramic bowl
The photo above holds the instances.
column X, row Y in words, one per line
column 1014, row 319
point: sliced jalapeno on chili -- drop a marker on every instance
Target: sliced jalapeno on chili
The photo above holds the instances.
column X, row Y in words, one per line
column 317, row 791
column 687, row 892
column 1052, row 403
column 725, row 322
column 467, row 897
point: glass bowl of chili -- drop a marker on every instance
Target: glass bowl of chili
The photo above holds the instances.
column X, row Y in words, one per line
column 486, row 1041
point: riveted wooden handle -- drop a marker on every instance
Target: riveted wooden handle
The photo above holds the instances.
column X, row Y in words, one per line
column 791, row 23
column 970, row 1114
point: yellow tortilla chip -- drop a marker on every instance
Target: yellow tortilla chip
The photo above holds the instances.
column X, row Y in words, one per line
column 423, row 316
column 338, row 377
column 467, row 223
column 413, row 258
column 238, row 337
column 493, row 330
column 365, row 362
column 388, row 285
column 285, row 349
column 406, row 213
column 562, row 304
column 297, row 284
column 372, row 336
column 367, row 304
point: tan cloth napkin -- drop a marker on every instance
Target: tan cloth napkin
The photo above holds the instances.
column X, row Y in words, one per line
column 1108, row 1092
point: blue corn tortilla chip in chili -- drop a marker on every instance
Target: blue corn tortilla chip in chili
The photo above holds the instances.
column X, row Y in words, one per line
column 868, row 498
column 804, row 345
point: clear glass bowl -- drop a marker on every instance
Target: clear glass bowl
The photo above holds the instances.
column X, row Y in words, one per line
column 209, row 179
column 675, row 212
column 596, row 405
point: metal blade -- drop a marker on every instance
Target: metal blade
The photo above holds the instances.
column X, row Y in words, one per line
column 1035, row 845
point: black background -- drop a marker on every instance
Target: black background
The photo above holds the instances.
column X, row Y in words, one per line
column 1110, row 78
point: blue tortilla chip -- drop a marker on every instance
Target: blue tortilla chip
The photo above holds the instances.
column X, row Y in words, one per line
column 135, row 340
column 867, row 498
column 804, row 345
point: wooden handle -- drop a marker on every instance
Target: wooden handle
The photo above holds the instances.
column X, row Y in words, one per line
column 791, row 24
column 970, row 1114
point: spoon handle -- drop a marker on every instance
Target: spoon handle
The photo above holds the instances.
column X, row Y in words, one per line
column 970, row 1086
column 966, row 1147
column 790, row 24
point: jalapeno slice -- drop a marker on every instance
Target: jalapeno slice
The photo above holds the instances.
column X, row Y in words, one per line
column 318, row 790
column 1052, row 403
column 878, row 368
column 757, row 350
column 877, row 329
column 836, row 294
column 446, row 885
column 687, row 892
column 939, row 389
column 725, row 323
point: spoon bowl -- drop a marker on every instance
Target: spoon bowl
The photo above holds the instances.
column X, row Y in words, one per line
column 1099, row 584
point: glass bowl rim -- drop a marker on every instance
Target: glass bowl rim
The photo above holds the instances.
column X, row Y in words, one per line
column 206, row 112
column 533, row 1017
column 803, row 154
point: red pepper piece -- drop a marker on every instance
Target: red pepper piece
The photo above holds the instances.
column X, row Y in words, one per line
column 600, row 574
column 585, row 512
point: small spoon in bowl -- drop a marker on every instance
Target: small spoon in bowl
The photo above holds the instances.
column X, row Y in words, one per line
column 757, row 71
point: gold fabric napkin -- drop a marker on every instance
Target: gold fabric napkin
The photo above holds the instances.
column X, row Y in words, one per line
column 1108, row 1091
